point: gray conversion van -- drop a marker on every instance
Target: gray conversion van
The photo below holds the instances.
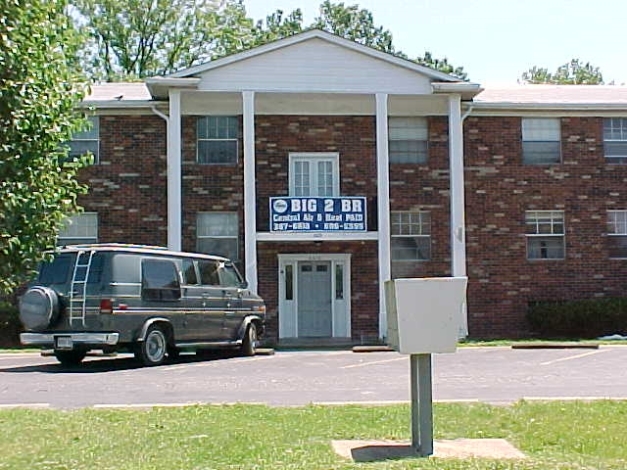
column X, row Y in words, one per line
column 147, row 300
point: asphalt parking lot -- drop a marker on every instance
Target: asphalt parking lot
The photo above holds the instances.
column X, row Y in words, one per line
column 487, row 374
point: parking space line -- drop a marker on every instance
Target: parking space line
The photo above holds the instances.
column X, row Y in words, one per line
column 569, row 358
column 363, row 364
column 11, row 406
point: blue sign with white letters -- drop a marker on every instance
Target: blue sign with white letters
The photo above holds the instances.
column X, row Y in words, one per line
column 318, row 214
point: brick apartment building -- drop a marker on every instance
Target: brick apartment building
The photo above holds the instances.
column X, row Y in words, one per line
column 325, row 167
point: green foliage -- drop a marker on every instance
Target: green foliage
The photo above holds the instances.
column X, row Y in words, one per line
column 10, row 326
column 589, row 318
column 571, row 73
column 353, row 23
column 39, row 93
column 176, row 34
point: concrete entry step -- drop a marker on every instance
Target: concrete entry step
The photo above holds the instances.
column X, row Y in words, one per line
column 371, row 451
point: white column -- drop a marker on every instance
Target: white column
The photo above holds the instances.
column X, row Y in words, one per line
column 458, row 229
column 250, row 192
column 383, row 205
column 174, row 172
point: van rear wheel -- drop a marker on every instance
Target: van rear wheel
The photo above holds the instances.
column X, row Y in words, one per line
column 70, row 358
column 152, row 351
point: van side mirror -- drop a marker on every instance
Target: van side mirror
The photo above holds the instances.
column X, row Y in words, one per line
column 243, row 284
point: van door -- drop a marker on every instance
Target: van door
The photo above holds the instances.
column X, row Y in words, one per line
column 209, row 321
column 161, row 290
column 232, row 288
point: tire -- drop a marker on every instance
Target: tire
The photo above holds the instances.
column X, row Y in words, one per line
column 39, row 308
column 152, row 350
column 249, row 343
column 70, row 358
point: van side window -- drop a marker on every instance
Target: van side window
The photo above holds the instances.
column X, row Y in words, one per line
column 209, row 272
column 229, row 277
column 189, row 272
column 160, row 280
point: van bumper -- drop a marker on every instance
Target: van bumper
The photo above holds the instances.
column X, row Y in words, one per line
column 90, row 339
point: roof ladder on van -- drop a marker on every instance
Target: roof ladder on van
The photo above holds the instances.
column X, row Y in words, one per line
column 78, row 288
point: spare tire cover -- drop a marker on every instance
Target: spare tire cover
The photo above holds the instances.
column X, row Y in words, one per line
column 39, row 307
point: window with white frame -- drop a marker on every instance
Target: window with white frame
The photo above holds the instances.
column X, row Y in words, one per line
column 87, row 141
column 411, row 235
column 408, row 139
column 617, row 233
column 79, row 229
column 545, row 234
column 314, row 175
column 217, row 142
column 615, row 139
column 218, row 234
column 541, row 141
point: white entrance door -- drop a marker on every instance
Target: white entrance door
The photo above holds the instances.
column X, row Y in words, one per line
column 314, row 296
column 315, row 314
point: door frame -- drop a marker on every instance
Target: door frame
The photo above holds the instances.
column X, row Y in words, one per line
column 340, row 308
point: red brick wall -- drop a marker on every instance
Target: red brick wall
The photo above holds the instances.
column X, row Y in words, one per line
column 499, row 189
column 128, row 190
column 128, row 186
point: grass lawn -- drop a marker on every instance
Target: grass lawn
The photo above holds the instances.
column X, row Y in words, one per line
column 555, row 435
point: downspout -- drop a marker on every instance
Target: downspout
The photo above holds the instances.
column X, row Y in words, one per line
column 165, row 117
column 467, row 113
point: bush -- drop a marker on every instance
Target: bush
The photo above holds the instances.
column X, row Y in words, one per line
column 588, row 318
column 10, row 326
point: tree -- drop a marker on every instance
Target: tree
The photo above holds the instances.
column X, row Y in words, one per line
column 442, row 65
column 133, row 39
column 40, row 90
column 277, row 26
column 571, row 73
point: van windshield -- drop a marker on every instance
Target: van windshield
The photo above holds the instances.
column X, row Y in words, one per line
column 57, row 271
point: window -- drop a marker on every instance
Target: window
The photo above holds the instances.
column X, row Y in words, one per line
column 189, row 272
column 541, row 141
column 79, row 230
column 411, row 236
column 229, row 277
column 209, row 272
column 617, row 233
column 545, row 234
column 217, row 140
column 408, row 139
column 615, row 139
column 314, row 175
column 87, row 141
column 160, row 280
column 217, row 234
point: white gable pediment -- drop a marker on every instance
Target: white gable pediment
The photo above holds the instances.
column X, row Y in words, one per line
column 316, row 65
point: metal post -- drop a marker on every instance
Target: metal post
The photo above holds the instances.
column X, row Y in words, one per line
column 421, row 404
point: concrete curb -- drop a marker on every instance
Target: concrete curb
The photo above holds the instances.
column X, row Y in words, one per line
column 556, row 345
column 373, row 348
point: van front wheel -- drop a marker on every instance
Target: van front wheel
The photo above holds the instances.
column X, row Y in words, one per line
column 152, row 351
column 249, row 343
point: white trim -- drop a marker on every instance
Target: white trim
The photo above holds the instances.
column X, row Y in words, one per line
column 383, row 205
column 250, row 192
column 456, row 165
column 316, row 34
column 174, row 172
column 316, row 236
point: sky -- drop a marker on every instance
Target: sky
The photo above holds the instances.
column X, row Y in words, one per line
column 495, row 41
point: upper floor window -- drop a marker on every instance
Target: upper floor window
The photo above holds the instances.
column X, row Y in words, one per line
column 79, row 229
column 615, row 139
column 408, row 139
column 411, row 236
column 217, row 234
column 87, row 141
column 314, row 175
column 617, row 233
column 545, row 234
column 541, row 141
column 217, row 140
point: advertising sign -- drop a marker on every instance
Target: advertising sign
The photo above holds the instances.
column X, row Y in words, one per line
column 318, row 214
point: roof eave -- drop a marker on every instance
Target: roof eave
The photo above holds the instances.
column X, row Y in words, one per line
column 160, row 86
column 467, row 90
